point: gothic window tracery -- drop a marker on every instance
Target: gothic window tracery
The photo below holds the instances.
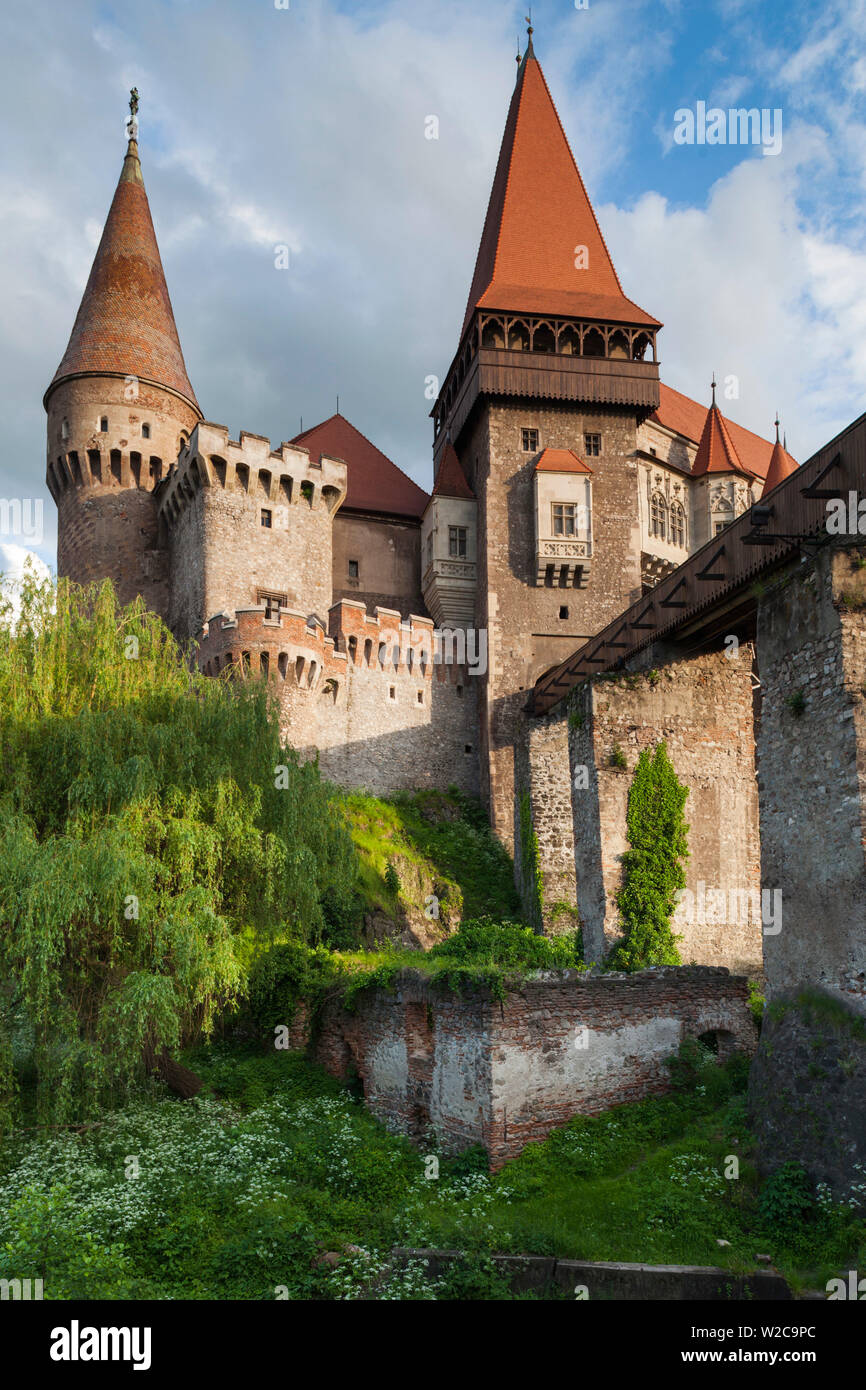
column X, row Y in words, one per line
column 658, row 516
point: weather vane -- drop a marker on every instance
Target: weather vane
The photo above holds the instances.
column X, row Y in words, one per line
column 132, row 123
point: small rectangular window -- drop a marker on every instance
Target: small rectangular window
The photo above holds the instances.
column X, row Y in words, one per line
column 457, row 541
column 354, row 571
column 563, row 518
column 145, row 431
column 103, row 425
column 529, row 439
column 266, row 518
column 273, row 603
column 592, row 445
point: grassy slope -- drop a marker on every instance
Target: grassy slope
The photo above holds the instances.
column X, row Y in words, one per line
column 461, row 853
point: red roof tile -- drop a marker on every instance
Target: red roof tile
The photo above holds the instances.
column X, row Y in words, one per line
column 125, row 325
column 781, row 467
column 716, row 451
column 538, row 213
column 684, row 416
column 374, row 483
column 560, row 461
column 451, row 480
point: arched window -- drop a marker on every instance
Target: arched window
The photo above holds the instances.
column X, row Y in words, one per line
column 658, row 516
column 678, row 524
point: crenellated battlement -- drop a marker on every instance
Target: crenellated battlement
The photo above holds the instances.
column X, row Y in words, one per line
column 283, row 478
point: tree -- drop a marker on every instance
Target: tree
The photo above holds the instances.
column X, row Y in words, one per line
column 146, row 850
column 653, row 866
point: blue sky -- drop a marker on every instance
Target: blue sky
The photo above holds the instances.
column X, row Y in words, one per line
column 305, row 127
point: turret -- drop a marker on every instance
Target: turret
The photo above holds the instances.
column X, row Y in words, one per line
column 120, row 405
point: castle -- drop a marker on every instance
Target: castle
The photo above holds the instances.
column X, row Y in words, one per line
column 403, row 631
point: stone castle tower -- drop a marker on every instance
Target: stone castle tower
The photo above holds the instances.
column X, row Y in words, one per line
column 568, row 480
column 120, row 406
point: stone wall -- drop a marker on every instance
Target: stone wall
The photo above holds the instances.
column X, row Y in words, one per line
column 387, row 551
column 542, row 773
column 366, row 698
column 532, row 626
column 104, row 481
column 223, row 556
column 812, row 773
column 477, row 1070
column 701, row 706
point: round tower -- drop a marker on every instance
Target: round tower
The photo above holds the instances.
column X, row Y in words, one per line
column 120, row 405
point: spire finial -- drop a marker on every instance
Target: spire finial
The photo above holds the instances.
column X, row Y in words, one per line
column 713, row 385
column 777, row 427
column 530, row 52
column 132, row 123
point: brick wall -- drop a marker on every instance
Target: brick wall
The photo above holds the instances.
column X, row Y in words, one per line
column 502, row 1074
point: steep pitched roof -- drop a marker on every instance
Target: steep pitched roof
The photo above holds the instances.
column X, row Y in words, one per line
column 451, row 480
column 781, row 465
column 538, row 213
column 560, row 461
column 374, row 483
column 125, row 324
column 685, row 416
column 716, row 451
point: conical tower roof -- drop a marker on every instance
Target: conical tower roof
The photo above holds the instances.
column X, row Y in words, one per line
column 781, row 465
column 125, row 324
column 539, row 214
column 716, row 451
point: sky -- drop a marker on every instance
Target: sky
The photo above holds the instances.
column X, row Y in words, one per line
column 303, row 124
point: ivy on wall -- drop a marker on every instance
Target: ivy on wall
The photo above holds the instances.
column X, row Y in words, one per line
column 531, row 877
column 658, row 839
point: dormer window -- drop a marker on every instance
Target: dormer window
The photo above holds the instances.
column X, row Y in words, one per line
column 529, row 441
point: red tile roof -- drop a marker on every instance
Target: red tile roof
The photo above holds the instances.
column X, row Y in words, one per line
column 451, row 480
column 716, row 451
column 781, row 466
column 125, row 325
column 560, row 461
column 539, row 212
column 684, row 416
column 374, row 483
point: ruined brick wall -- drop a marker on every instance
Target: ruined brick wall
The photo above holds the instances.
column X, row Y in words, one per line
column 103, row 481
column 475, row 1070
column 367, row 697
column 812, row 773
column 702, row 707
column 526, row 632
column 222, row 556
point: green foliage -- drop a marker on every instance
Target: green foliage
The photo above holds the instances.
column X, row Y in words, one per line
column 617, row 757
column 392, row 880
column 444, row 837
column 508, row 944
column 653, row 872
column 280, row 978
column 786, row 1197
column 797, row 703
column 757, row 1002
column 144, row 844
column 531, row 876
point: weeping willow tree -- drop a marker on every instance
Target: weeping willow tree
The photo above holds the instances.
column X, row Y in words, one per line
column 147, row 843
